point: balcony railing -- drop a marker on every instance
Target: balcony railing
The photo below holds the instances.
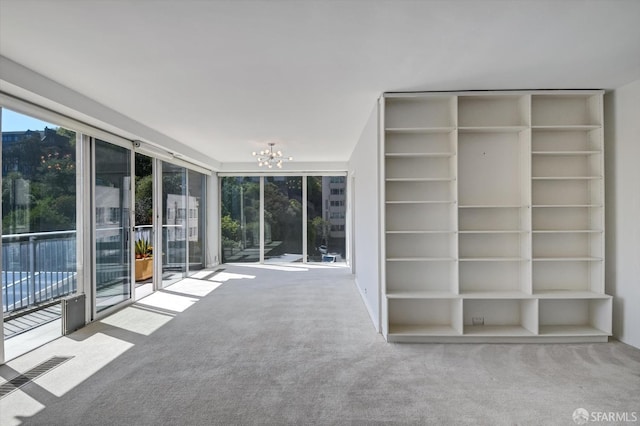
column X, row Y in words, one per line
column 37, row 268
column 41, row 267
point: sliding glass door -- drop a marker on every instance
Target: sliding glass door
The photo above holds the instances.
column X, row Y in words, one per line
column 174, row 223
column 196, row 202
column 112, row 184
column 144, row 230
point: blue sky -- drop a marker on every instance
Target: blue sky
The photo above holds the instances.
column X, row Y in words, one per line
column 12, row 121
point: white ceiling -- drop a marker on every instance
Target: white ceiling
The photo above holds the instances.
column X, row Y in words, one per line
column 224, row 77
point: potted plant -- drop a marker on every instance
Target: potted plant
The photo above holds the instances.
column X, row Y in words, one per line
column 144, row 260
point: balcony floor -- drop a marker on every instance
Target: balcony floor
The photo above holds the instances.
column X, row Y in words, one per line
column 24, row 323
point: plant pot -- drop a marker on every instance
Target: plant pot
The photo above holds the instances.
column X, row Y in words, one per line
column 144, row 268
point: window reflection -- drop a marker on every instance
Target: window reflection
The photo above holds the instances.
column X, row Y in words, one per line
column 174, row 224
column 240, row 219
column 326, row 218
column 112, row 204
column 38, row 211
column 196, row 220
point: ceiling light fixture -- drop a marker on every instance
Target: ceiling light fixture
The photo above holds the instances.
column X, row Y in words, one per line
column 270, row 158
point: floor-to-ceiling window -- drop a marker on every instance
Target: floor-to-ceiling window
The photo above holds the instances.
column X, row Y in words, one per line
column 326, row 218
column 196, row 220
column 174, row 223
column 283, row 218
column 112, row 195
column 240, row 219
column 38, row 216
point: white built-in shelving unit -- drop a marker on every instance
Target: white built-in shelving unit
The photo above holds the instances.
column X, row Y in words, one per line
column 493, row 217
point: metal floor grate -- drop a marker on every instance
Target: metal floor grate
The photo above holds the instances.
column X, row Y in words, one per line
column 37, row 371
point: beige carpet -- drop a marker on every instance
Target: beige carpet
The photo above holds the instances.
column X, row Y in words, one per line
column 294, row 345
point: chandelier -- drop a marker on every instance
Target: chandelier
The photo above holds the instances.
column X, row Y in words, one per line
column 270, row 158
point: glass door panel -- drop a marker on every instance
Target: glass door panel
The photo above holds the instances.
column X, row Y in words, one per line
column 112, row 178
column 326, row 218
column 174, row 223
column 283, row 218
column 143, row 230
column 196, row 231
column 39, row 264
column 240, row 219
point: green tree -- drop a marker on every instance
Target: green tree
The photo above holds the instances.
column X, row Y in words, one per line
column 144, row 200
column 39, row 194
column 322, row 228
column 229, row 228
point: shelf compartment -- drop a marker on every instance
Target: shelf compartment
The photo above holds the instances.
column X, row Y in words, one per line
column 566, row 166
column 414, row 317
column 564, row 140
column 413, row 231
column 420, row 294
column 419, row 202
column 493, row 111
column 419, row 179
column 495, row 294
column 418, row 130
column 419, row 111
column 566, row 177
column 491, row 259
column 566, row 128
column 398, row 143
column 492, row 129
column 420, row 154
column 491, row 168
column 567, row 244
column 500, row 317
column 477, row 277
column 564, row 153
column 420, row 259
column 569, row 317
column 491, row 245
column 566, row 110
column 492, row 219
column 566, row 206
column 419, row 217
column 568, row 276
column 419, row 246
column 567, row 219
column 566, row 192
column 491, row 232
column 567, row 294
column 418, row 167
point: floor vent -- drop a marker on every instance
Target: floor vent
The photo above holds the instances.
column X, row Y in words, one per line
column 37, row 371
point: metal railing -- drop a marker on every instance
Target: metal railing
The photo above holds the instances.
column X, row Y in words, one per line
column 41, row 267
column 37, row 268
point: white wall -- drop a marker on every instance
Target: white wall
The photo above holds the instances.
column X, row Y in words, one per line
column 363, row 167
column 622, row 157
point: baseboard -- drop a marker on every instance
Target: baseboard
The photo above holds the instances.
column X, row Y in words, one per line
column 374, row 319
